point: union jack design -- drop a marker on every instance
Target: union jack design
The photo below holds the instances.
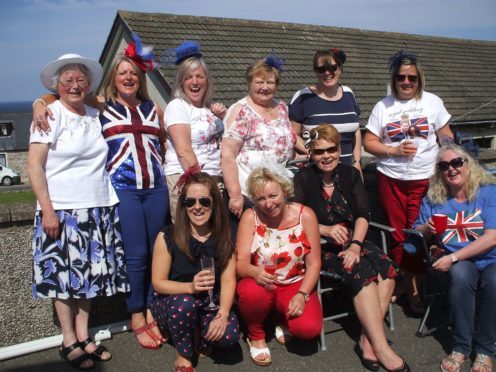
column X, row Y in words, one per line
column 463, row 229
column 132, row 135
column 418, row 127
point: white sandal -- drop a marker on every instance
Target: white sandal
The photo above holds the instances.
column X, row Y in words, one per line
column 282, row 335
column 255, row 352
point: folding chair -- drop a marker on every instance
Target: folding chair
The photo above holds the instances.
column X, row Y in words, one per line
column 433, row 287
column 382, row 229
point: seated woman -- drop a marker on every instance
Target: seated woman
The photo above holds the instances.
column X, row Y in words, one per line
column 181, row 283
column 337, row 195
column 466, row 193
column 288, row 234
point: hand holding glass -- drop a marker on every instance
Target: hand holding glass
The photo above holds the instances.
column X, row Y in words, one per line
column 207, row 263
column 270, row 267
column 440, row 223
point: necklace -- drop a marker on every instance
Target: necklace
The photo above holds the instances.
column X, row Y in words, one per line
column 330, row 184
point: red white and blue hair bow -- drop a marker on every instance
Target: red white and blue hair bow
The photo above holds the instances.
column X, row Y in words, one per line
column 141, row 54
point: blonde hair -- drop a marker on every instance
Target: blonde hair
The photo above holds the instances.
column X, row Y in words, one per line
column 109, row 90
column 260, row 177
column 477, row 176
column 261, row 68
column 185, row 67
column 420, row 73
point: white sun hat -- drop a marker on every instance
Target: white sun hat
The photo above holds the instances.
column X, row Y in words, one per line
column 48, row 72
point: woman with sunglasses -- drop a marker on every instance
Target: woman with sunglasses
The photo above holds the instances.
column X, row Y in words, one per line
column 466, row 193
column 402, row 132
column 328, row 102
column 336, row 194
column 180, row 281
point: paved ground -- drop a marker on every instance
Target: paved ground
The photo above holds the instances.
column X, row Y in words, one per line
column 423, row 354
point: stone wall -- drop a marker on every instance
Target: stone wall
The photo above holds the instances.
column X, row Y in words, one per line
column 18, row 160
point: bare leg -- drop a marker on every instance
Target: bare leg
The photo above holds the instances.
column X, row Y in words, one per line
column 368, row 308
column 385, row 289
column 82, row 310
column 65, row 313
column 138, row 320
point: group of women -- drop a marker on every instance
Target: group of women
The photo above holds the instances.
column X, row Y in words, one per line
column 226, row 167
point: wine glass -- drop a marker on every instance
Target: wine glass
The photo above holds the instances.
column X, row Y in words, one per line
column 207, row 263
column 270, row 266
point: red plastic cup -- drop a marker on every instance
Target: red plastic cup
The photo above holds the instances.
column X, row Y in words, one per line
column 440, row 223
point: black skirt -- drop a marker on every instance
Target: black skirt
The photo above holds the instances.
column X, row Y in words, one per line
column 373, row 263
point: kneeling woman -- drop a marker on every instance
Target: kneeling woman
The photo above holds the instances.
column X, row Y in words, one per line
column 337, row 195
column 288, row 234
column 182, row 285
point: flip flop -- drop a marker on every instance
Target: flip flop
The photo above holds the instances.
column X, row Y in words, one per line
column 255, row 352
column 481, row 362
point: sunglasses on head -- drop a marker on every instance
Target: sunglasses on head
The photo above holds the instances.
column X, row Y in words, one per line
column 327, row 67
column 330, row 150
column 204, row 202
column 456, row 163
column 411, row 78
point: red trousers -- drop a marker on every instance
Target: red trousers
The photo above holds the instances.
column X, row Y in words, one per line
column 400, row 202
column 255, row 303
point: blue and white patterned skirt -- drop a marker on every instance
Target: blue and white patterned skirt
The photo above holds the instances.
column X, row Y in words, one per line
column 86, row 261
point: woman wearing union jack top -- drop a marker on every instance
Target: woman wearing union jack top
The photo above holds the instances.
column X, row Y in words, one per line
column 466, row 193
column 133, row 131
column 402, row 132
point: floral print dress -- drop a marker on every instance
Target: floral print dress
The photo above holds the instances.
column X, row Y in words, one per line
column 373, row 262
column 266, row 143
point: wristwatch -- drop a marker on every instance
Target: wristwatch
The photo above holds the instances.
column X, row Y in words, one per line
column 454, row 259
column 306, row 295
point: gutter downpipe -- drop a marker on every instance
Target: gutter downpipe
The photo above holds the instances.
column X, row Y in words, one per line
column 99, row 334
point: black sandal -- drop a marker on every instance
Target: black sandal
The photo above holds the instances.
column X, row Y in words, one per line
column 97, row 354
column 76, row 362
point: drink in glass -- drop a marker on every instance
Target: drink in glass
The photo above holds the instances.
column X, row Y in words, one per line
column 207, row 263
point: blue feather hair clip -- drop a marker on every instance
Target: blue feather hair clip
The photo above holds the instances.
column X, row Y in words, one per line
column 273, row 61
column 175, row 56
column 402, row 56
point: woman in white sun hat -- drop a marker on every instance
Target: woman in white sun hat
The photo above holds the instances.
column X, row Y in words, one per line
column 77, row 250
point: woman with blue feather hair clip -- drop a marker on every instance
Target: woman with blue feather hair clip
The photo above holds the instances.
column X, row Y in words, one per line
column 258, row 132
column 403, row 132
column 193, row 122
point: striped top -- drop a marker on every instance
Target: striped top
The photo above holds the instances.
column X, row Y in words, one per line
column 310, row 110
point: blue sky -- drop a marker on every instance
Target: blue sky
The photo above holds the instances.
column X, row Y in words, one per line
column 35, row 32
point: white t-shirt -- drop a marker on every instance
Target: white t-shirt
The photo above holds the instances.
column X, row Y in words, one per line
column 75, row 166
column 394, row 121
column 206, row 131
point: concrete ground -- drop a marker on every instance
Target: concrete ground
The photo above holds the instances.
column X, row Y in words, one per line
column 422, row 354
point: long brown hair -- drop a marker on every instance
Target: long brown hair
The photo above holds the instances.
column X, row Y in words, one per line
column 219, row 221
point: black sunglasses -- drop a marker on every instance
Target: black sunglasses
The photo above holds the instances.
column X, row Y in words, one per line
column 327, row 67
column 330, row 150
column 411, row 78
column 456, row 163
column 204, row 202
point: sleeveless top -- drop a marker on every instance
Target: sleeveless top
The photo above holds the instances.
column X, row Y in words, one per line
column 184, row 269
column 289, row 245
column 132, row 134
